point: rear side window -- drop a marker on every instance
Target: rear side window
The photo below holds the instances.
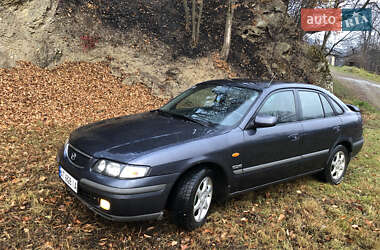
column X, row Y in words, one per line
column 326, row 107
column 281, row 105
column 311, row 105
column 337, row 108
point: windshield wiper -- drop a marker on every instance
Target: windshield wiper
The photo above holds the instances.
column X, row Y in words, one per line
column 183, row 117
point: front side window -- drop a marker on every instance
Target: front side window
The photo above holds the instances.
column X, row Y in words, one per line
column 216, row 104
column 280, row 105
column 311, row 105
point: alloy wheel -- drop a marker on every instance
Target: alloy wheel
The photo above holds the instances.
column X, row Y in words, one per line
column 337, row 165
column 202, row 199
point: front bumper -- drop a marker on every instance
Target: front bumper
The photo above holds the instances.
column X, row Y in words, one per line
column 131, row 200
column 99, row 211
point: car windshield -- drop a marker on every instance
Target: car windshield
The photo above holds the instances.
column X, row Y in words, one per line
column 212, row 104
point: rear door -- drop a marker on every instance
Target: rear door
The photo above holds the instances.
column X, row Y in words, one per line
column 270, row 154
column 321, row 129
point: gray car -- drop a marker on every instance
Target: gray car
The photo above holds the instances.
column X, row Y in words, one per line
column 217, row 139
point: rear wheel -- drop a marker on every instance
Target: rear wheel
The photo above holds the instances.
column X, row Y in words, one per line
column 337, row 165
column 192, row 199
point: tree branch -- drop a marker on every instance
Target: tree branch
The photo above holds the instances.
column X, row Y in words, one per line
column 336, row 43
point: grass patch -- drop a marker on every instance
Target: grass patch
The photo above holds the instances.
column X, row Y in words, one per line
column 354, row 71
column 37, row 212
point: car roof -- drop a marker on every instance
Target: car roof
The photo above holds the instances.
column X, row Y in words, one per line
column 261, row 84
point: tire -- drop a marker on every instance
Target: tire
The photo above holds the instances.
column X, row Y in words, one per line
column 192, row 199
column 337, row 165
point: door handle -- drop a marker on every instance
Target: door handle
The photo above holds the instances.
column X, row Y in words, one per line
column 294, row 137
column 336, row 129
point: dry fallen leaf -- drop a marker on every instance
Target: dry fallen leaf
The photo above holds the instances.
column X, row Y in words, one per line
column 369, row 223
column 183, row 247
column 281, row 217
column 354, row 226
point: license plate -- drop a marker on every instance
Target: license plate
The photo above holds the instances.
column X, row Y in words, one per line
column 68, row 179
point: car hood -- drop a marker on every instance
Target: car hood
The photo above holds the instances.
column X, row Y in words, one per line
column 128, row 137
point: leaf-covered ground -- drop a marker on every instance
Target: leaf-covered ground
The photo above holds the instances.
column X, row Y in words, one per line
column 38, row 109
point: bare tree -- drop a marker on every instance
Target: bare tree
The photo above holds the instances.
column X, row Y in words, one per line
column 294, row 7
column 346, row 38
column 327, row 34
column 200, row 3
column 327, row 44
column 193, row 20
column 369, row 42
column 196, row 21
column 227, row 31
column 187, row 15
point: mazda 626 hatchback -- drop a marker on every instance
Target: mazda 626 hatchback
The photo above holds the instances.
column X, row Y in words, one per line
column 217, row 139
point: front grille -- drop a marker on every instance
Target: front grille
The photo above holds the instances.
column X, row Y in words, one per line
column 78, row 158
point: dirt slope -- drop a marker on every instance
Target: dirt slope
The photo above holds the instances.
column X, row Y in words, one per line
column 145, row 41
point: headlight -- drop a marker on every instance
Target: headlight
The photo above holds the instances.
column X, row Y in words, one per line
column 122, row 171
column 65, row 146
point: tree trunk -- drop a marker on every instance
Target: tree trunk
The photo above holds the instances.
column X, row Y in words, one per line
column 325, row 38
column 227, row 32
column 199, row 21
column 193, row 20
column 187, row 15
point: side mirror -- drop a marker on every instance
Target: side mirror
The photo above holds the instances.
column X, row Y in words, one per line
column 262, row 122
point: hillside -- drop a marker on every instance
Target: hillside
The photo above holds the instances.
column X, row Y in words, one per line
column 146, row 41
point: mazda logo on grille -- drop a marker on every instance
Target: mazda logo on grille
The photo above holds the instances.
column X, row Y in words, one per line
column 73, row 156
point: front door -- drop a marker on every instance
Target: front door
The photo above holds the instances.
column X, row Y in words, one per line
column 271, row 154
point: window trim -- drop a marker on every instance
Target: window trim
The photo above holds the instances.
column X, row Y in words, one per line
column 323, row 107
column 331, row 100
column 320, row 101
column 267, row 97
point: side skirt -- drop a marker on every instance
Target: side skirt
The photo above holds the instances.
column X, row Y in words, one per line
column 274, row 182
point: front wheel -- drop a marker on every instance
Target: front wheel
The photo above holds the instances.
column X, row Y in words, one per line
column 337, row 165
column 192, row 199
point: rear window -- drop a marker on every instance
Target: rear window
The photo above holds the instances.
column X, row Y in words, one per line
column 326, row 107
column 336, row 106
column 311, row 105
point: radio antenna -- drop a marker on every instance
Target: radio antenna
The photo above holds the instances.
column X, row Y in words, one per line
column 274, row 75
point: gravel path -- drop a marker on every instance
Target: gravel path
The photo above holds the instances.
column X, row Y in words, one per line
column 364, row 89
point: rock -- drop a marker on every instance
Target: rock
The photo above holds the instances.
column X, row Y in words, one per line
column 128, row 81
column 25, row 31
column 270, row 45
column 165, row 89
column 172, row 72
column 46, row 54
column 4, row 59
column 116, row 71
